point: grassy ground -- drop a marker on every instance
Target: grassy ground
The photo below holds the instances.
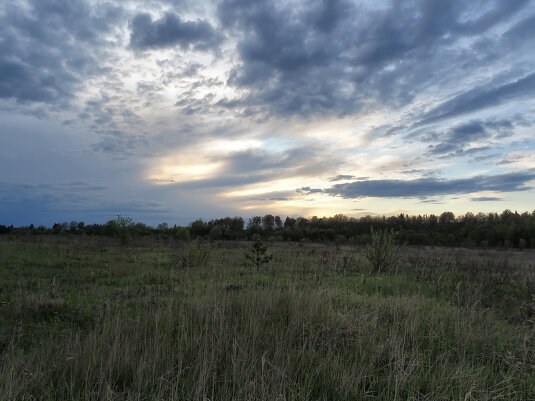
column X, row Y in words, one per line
column 87, row 319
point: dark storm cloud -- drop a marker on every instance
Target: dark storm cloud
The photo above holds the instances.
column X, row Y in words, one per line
column 336, row 57
column 425, row 187
column 171, row 31
column 47, row 47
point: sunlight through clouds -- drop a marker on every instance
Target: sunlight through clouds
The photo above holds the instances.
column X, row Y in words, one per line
column 247, row 103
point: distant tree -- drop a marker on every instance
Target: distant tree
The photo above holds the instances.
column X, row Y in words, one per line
column 216, row 232
column 73, row 226
column 111, row 228
column 289, row 222
column 255, row 222
column 199, row 228
column 181, row 233
column 163, row 227
column 268, row 222
column 278, row 223
column 254, row 227
column 447, row 218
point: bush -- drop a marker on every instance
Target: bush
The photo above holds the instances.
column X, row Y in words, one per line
column 125, row 228
column 382, row 252
column 195, row 254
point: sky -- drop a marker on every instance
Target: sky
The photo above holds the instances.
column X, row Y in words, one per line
column 174, row 110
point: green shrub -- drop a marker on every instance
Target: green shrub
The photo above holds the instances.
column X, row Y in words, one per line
column 382, row 252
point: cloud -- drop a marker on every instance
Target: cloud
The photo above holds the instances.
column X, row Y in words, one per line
column 170, row 31
column 518, row 159
column 455, row 142
column 482, row 97
column 524, row 30
column 119, row 143
column 308, row 160
column 255, row 166
column 341, row 177
column 50, row 196
column 459, row 139
column 271, row 95
column 337, row 57
column 486, row 199
column 425, row 187
column 48, row 47
column 308, row 190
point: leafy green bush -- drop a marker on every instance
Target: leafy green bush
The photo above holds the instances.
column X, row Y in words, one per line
column 382, row 252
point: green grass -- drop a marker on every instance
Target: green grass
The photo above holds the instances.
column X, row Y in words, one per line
column 86, row 319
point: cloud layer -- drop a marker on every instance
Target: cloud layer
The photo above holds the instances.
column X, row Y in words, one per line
column 180, row 109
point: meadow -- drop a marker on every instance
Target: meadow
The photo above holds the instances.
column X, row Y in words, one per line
column 85, row 318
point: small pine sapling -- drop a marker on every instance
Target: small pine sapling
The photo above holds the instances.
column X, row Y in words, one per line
column 257, row 254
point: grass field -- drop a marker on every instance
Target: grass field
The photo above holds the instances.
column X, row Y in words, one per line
column 84, row 318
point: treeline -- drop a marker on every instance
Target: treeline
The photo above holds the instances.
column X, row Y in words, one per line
column 508, row 229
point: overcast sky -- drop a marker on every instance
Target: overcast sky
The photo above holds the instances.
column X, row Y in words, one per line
column 175, row 110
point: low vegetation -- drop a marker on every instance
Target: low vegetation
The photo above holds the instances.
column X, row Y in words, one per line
column 86, row 318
